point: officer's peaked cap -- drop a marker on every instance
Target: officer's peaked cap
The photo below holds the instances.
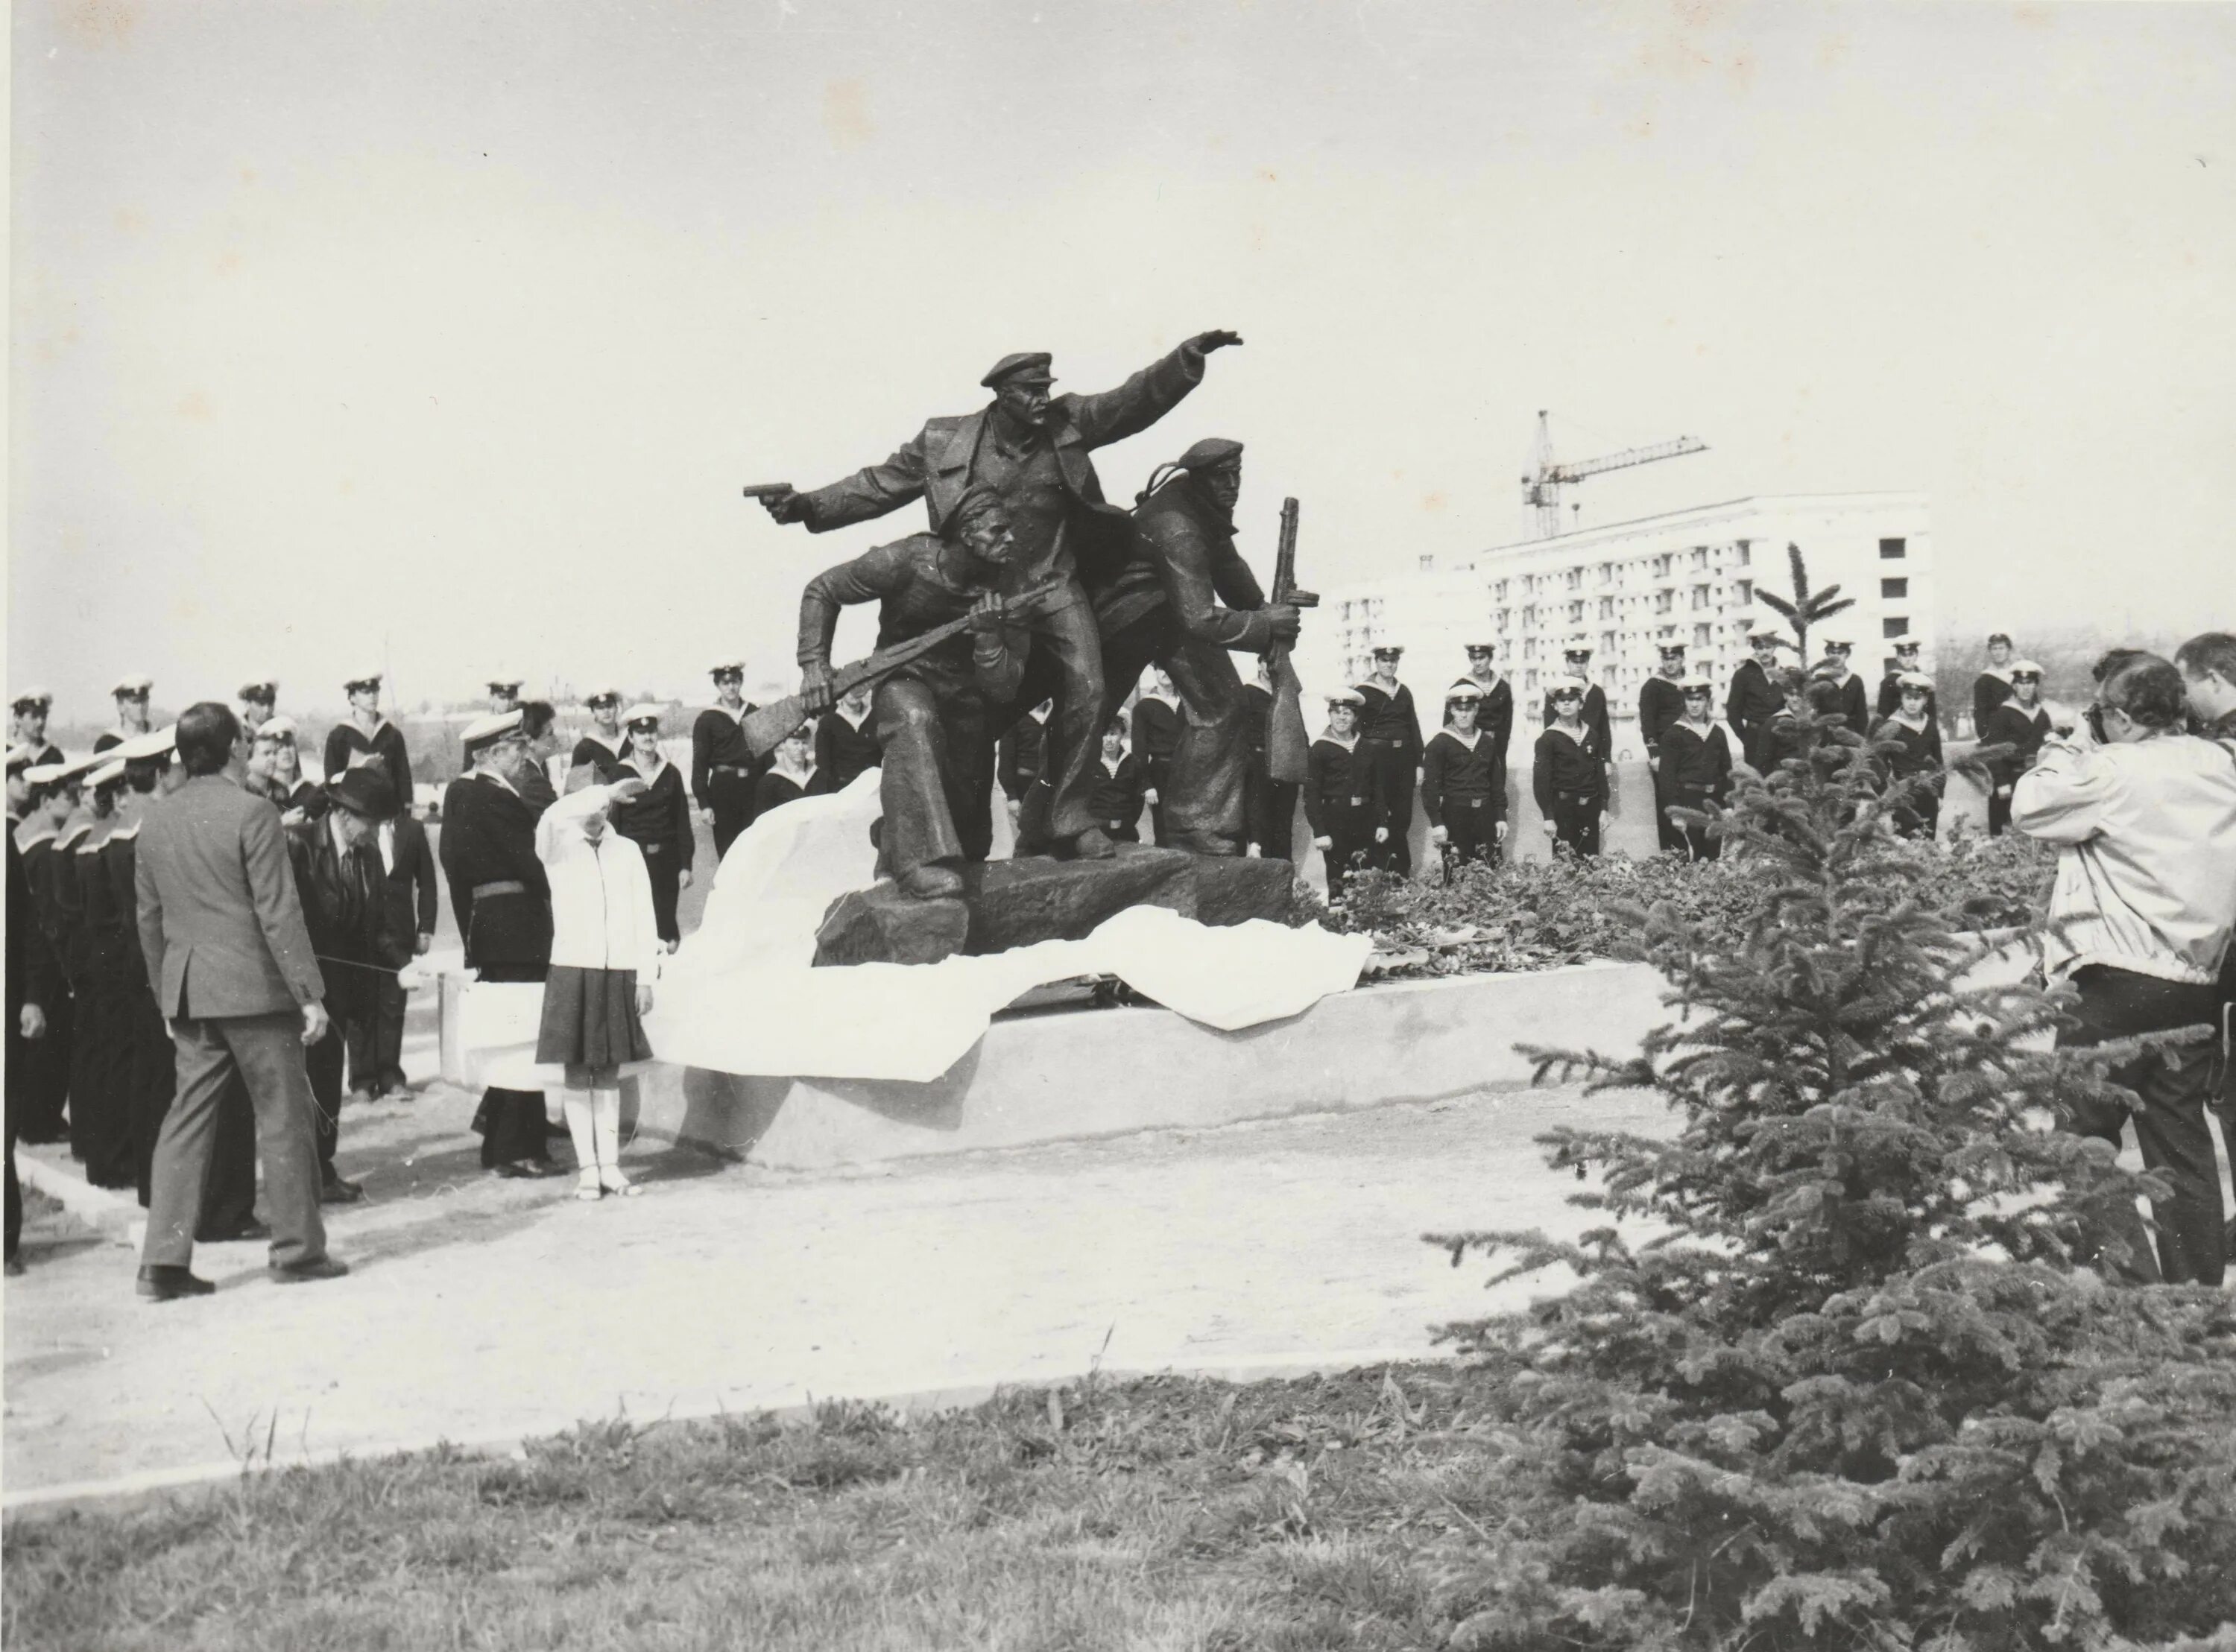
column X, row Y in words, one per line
column 1035, row 362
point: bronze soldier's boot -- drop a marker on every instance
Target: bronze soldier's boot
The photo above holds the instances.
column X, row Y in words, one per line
column 930, row 881
column 1093, row 844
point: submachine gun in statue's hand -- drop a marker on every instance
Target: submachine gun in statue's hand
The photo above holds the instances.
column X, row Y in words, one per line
column 1288, row 746
column 766, row 728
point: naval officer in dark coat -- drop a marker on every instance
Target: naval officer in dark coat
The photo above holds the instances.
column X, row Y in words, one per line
column 1032, row 449
column 1660, row 707
column 503, row 906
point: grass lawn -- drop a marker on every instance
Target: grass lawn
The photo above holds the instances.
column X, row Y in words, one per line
column 1164, row 1512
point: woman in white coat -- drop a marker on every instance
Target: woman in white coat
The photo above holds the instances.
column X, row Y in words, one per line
column 605, row 951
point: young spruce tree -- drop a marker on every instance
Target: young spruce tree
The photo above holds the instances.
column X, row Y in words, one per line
column 1837, row 1373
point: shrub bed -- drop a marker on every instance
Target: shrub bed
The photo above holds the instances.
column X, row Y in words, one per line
column 1538, row 914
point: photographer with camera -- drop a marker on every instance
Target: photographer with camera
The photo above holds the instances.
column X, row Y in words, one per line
column 2142, row 910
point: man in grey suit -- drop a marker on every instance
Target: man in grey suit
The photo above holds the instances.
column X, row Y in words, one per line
column 231, row 964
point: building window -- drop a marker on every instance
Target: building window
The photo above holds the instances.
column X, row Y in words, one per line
column 1663, row 563
column 1607, row 607
column 1499, row 590
column 1505, row 614
column 1895, row 627
column 1742, row 555
column 1575, row 578
column 1529, row 648
column 1700, row 596
column 1699, row 556
column 1743, row 590
column 1529, row 615
column 1893, row 550
column 1607, row 640
column 1575, row 612
column 1702, row 635
column 1428, row 564
column 1664, row 601
column 1529, row 677
column 1607, row 573
column 1894, row 588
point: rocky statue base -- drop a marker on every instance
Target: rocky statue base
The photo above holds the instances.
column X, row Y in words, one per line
column 1015, row 903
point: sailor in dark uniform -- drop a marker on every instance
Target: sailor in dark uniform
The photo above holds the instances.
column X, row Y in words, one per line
column 845, row 742
column 723, row 769
column 539, row 776
column 1599, row 735
column 1789, row 733
column 503, row 901
column 2021, row 724
column 1389, row 747
column 131, row 692
column 657, row 819
column 1752, row 698
column 1462, row 789
column 1020, row 764
column 1341, row 804
column 275, row 772
column 1906, row 663
column 791, row 773
column 101, row 1112
column 1121, row 785
column 1269, row 806
column 1660, row 705
column 1855, row 699
column 27, row 726
column 260, row 701
column 365, row 736
column 1993, row 686
column 604, row 745
column 1156, row 731
column 40, row 1091
column 1695, row 769
column 1917, row 736
column 1496, row 716
column 1567, row 778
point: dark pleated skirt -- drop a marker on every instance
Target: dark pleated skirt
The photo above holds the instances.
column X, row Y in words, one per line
column 590, row 1019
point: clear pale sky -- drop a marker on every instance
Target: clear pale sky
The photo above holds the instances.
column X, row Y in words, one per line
column 446, row 332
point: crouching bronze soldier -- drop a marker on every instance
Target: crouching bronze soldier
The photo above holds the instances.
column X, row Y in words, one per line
column 934, row 715
column 1164, row 605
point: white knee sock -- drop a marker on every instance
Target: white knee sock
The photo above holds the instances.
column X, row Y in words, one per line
column 577, row 1105
column 606, row 1116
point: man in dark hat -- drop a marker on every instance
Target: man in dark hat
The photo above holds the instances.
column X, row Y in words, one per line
column 1185, row 602
column 1660, row 707
column 1993, row 686
column 339, row 880
column 1905, row 664
column 723, row 769
column 503, row 901
column 1032, row 449
column 1753, row 700
column 934, row 715
column 1390, row 752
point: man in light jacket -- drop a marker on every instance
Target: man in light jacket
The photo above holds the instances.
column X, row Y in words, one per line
column 2145, row 902
column 231, row 965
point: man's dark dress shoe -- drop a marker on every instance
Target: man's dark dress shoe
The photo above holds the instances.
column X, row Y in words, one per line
column 245, row 1232
column 166, row 1283
column 334, row 1190
column 304, row 1273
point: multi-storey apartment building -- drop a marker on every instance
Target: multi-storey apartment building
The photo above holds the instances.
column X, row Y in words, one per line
column 1689, row 576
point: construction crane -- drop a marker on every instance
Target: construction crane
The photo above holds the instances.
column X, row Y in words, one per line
column 1542, row 492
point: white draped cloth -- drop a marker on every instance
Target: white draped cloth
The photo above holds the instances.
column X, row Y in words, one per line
column 740, row 995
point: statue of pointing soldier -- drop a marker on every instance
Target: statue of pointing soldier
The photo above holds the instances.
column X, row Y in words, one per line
column 1030, row 450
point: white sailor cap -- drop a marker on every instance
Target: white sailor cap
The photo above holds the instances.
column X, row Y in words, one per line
column 108, row 772
column 730, row 665
column 644, row 712
column 364, row 678
column 135, row 684
column 39, row 696
column 2024, row 667
column 71, row 769
column 484, row 730
column 1346, row 697
column 144, row 748
column 602, row 691
column 1387, row 651
column 1918, row 680
column 1574, row 648
column 276, row 728
column 1839, row 645
column 45, row 774
column 510, row 685
column 261, row 688
column 1692, row 686
column 1465, row 688
column 1906, row 645
column 1563, row 687
column 1760, row 639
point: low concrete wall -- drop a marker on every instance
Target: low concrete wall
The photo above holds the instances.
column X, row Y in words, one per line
column 1098, row 1072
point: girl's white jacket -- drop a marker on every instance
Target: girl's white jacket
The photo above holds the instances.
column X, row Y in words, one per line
column 601, row 902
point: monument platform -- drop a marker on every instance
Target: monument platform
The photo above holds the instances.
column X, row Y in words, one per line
column 1015, row 903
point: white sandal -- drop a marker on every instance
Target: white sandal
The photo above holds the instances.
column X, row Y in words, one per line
column 587, row 1185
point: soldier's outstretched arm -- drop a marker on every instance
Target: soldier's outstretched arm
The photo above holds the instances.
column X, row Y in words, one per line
column 870, row 492
column 1112, row 416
